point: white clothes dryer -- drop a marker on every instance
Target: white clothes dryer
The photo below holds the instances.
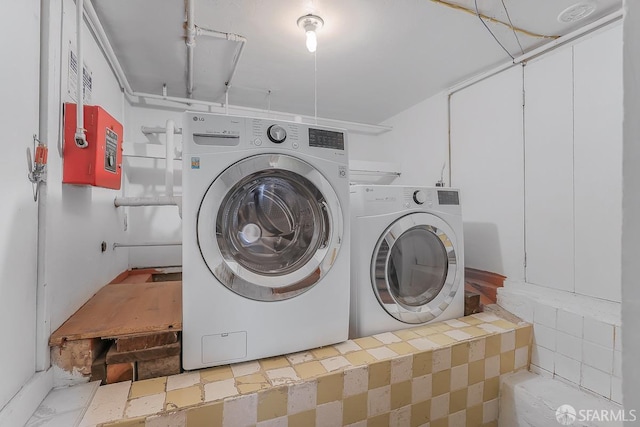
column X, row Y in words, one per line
column 407, row 257
column 265, row 238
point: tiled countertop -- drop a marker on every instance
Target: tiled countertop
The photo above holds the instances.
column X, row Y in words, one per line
column 445, row 357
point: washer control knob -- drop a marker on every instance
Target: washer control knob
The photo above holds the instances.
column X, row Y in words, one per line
column 277, row 134
column 419, row 197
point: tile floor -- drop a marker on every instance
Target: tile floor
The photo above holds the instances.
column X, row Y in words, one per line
column 385, row 379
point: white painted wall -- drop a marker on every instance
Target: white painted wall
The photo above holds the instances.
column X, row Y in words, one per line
column 418, row 142
column 487, row 165
column 18, row 215
column 79, row 218
column 631, row 207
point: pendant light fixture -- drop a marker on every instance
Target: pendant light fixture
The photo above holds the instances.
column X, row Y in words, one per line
column 310, row 24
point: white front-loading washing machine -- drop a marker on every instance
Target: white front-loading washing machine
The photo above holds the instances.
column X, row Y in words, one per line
column 265, row 238
column 407, row 260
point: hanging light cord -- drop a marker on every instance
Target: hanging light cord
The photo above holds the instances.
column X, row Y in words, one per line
column 491, row 32
column 513, row 29
column 315, row 86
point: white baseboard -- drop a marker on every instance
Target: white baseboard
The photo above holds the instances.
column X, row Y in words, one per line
column 20, row 408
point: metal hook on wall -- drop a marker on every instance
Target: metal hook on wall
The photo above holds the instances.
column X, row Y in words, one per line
column 37, row 166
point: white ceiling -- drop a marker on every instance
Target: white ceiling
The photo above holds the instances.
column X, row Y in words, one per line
column 375, row 58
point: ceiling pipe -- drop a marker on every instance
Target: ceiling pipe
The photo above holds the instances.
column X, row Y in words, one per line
column 191, row 44
column 103, row 41
column 230, row 37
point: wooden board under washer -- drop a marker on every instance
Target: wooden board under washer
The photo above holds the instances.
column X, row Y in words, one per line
column 123, row 309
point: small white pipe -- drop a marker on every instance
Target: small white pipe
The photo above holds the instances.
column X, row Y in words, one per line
column 146, row 201
column 148, row 130
column 191, row 43
column 80, row 137
column 230, row 37
column 144, row 244
column 168, row 176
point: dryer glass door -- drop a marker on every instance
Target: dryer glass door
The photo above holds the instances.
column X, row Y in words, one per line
column 414, row 268
column 269, row 227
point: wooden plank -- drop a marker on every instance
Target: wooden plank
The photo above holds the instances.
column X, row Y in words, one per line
column 123, row 309
column 159, row 352
column 138, row 278
column 158, row 368
column 145, row 341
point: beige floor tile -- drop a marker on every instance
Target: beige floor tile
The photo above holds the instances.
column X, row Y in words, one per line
column 456, row 323
column 347, row 347
column 147, row 387
column 504, row 324
column 470, row 320
column 330, row 388
column 274, row 363
column 523, row 336
column 401, row 348
column 360, row 358
column 425, row 331
column 184, row 380
column 458, row 335
column 325, row 352
column 406, row 334
column 282, row 376
column 442, row 339
column 423, row 343
column 310, row 369
column 301, row 357
column 272, row 403
column 207, row 415
column 220, row 389
column 380, row 374
column 108, row 404
column 441, row 327
column 382, row 353
column 251, row 383
column 218, row 373
column 252, row 387
column 387, row 338
column 145, row 405
column 475, row 331
column 183, row 397
column 368, row 342
column 335, row 363
column 246, row 368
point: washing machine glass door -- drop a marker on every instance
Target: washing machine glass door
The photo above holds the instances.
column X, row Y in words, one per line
column 269, row 227
column 414, row 268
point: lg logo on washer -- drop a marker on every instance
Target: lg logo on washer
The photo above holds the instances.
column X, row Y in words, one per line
column 198, row 119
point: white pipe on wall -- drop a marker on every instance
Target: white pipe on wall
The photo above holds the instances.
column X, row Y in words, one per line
column 168, row 178
column 146, row 201
column 191, row 43
column 80, row 137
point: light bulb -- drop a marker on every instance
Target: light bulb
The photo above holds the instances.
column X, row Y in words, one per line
column 312, row 41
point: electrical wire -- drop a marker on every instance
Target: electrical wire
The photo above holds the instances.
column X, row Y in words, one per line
column 491, row 32
column 513, row 29
column 315, row 86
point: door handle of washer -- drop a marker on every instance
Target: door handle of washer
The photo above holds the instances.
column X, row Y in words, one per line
column 325, row 214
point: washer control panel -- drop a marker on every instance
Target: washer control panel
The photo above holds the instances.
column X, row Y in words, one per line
column 277, row 134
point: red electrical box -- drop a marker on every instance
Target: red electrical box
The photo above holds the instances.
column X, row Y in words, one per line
column 100, row 163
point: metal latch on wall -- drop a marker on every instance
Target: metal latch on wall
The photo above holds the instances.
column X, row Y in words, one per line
column 37, row 165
